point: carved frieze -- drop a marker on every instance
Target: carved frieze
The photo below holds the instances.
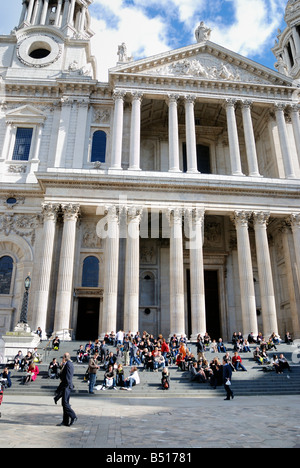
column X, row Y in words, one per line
column 208, row 67
column 22, row 225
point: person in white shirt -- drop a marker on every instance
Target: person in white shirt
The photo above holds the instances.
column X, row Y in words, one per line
column 132, row 380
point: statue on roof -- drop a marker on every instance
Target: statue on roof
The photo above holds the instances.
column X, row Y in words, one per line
column 202, row 33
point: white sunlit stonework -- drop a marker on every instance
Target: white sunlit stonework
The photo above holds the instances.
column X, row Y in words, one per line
column 166, row 199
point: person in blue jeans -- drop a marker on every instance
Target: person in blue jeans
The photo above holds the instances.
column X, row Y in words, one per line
column 221, row 346
column 132, row 380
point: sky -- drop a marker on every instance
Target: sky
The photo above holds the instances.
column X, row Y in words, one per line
column 150, row 27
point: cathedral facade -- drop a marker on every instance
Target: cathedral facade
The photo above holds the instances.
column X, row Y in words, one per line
column 165, row 200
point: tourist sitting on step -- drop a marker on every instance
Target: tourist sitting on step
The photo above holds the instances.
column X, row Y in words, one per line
column 149, row 362
column 18, row 360
column 217, row 376
column 221, row 346
column 5, row 378
column 56, row 343
column 246, row 347
column 32, row 373
column 26, row 361
column 111, row 360
column 109, row 379
column 120, row 376
column 159, row 361
column 165, row 379
column 81, row 355
column 132, row 380
column 283, row 363
column 197, row 374
column 238, row 363
column 288, row 338
column 53, row 369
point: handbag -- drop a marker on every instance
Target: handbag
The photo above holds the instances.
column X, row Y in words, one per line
column 228, row 382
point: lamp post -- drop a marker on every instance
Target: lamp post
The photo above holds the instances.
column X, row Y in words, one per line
column 24, row 310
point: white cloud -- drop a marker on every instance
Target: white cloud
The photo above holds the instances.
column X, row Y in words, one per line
column 254, row 24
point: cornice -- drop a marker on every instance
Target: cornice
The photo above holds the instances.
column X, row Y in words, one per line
column 204, row 184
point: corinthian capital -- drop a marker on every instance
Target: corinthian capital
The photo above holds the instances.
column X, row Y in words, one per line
column 261, row 218
column 50, row 211
column 241, row 218
column 70, row 211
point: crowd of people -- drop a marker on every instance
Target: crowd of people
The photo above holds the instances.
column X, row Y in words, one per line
column 144, row 352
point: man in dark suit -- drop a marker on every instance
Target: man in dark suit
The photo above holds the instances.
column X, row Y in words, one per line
column 64, row 392
column 227, row 375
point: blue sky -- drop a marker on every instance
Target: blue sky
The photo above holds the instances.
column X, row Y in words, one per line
column 149, row 27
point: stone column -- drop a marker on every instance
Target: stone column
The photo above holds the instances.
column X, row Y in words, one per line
column 191, row 147
column 233, row 138
column 44, row 12
column 132, row 270
column 135, row 133
column 63, row 132
column 248, row 301
column 111, row 270
column 250, row 139
column 49, row 212
column 82, row 115
column 30, row 10
column 295, row 224
column 284, row 141
column 177, row 319
column 290, row 274
column 58, row 12
column 195, row 245
column 173, row 134
column 65, row 272
column 294, row 113
column 269, row 314
column 117, row 140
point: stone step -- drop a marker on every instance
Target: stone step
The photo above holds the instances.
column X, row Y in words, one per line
column 252, row 382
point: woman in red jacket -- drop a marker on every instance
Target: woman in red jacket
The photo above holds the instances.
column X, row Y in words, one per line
column 32, row 373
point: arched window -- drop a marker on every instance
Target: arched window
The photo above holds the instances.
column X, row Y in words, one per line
column 6, row 270
column 99, row 146
column 90, row 272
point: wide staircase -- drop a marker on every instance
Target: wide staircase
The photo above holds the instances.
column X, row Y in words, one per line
column 254, row 382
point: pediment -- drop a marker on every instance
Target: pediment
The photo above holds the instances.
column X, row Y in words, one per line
column 24, row 114
column 206, row 61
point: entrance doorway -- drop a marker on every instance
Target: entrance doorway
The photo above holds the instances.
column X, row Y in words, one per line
column 88, row 318
column 212, row 303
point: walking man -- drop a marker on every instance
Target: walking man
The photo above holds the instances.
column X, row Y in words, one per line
column 227, row 375
column 64, row 390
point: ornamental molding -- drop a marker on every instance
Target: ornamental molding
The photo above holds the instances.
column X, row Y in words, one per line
column 22, row 225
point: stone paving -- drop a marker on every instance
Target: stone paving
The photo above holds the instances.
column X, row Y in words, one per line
column 157, row 423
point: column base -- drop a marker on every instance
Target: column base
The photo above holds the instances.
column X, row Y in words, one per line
column 64, row 335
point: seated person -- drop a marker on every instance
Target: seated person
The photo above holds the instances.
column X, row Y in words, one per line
column 81, row 355
column 149, row 362
column 165, row 379
column 53, row 370
column 283, row 363
column 18, row 360
column 221, row 346
column 159, row 361
column 246, row 347
column 111, row 360
column 288, row 338
column 56, row 343
column 5, row 377
column 120, row 376
column 26, row 361
column 32, row 373
column 132, row 380
column 197, row 373
column 109, row 378
column 237, row 362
